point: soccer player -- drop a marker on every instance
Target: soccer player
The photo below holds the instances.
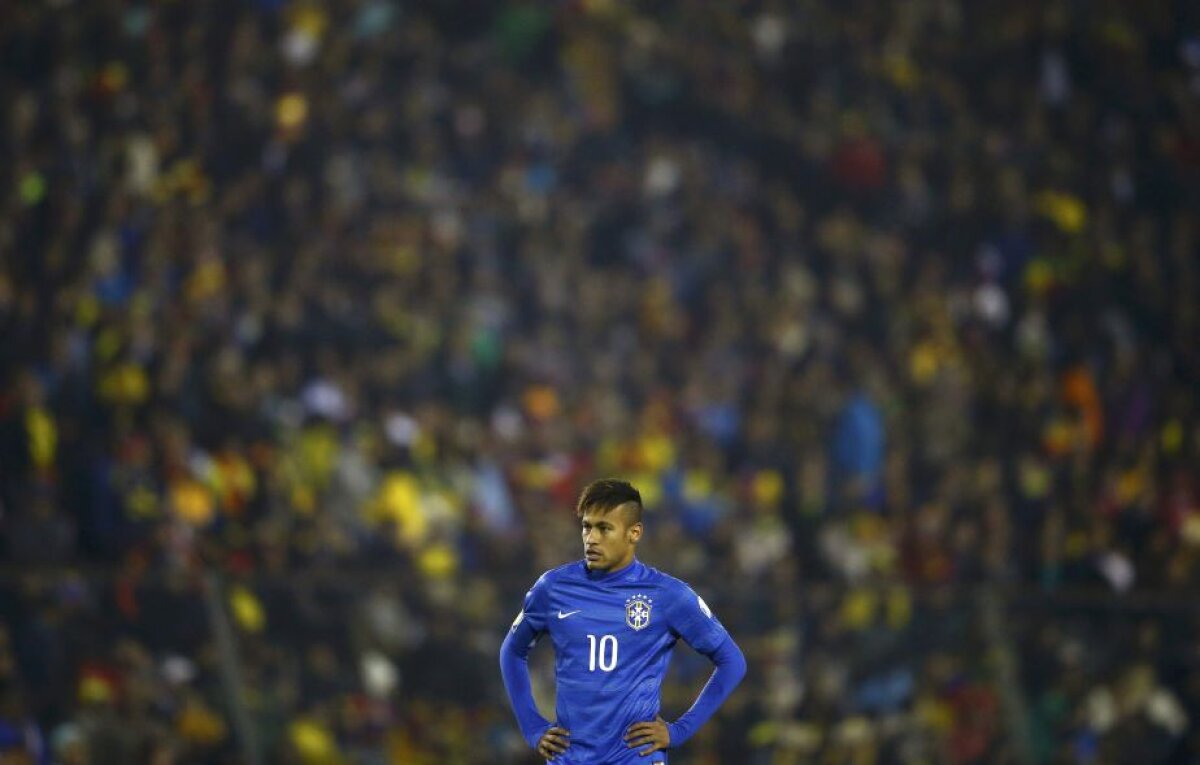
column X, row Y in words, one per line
column 613, row 621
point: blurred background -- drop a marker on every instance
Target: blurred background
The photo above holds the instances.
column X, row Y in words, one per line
column 316, row 316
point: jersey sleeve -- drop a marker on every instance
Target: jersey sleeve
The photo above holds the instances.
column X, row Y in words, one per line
column 531, row 621
column 691, row 619
column 514, row 657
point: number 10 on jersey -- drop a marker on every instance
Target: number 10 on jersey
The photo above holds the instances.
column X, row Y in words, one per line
column 602, row 652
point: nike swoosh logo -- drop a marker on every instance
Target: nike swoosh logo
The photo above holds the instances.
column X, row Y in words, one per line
column 561, row 615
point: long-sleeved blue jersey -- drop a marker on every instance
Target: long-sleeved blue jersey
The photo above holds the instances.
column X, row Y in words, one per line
column 612, row 635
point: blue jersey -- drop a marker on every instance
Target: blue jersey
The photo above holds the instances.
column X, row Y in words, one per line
column 612, row 636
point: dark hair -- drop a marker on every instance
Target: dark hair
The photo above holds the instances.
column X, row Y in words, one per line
column 609, row 493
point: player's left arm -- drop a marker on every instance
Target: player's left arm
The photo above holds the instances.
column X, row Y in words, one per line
column 691, row 619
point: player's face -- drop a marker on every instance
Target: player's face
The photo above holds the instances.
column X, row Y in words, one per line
column 609, row 540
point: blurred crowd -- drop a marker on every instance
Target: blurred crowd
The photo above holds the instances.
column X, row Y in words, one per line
column 346, row 300
column 1129, row 697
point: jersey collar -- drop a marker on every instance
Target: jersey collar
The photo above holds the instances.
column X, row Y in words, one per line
column 632, row 571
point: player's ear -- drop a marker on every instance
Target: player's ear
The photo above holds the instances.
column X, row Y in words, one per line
column 635, row 532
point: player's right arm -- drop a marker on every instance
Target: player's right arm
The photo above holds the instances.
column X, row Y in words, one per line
column 530, row 624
